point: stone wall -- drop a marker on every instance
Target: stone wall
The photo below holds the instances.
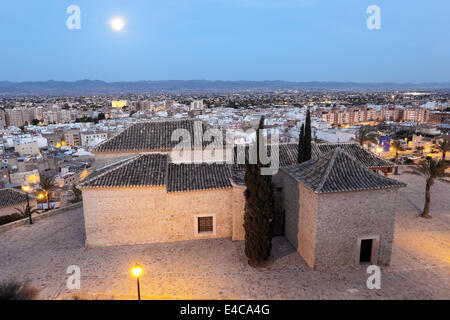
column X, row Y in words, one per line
column 238, row 212
column 117, row 216
column 342, row 218
column 307, row 225
column 5, row 211
column 300, row 207
column 36, row 217
column 290, row 206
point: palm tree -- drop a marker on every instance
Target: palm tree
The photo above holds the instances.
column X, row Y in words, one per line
column 365, row 135
column 26, row 212
column 397, row 145
column 431, row 170
column 420, row 149
column 76, row 194
column 47, row 186
column 15, row 290
column 443, row 146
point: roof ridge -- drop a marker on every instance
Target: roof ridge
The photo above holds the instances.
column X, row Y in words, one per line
column 110, row 138
column 125, row 162
column 328, row 170
column 168, row 120
column 20, row 191
column 369, row 171
column 335, row 143
column 366, row 169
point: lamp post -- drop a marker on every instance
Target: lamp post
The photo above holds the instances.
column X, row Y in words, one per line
column 137, row 270
column 40, row 197
column 26, row 188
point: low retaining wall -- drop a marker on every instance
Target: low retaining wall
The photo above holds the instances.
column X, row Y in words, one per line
column 37, row 217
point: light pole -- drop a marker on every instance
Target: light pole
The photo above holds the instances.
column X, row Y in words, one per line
column 137, row 270
column 40, row 197
column 26, row 188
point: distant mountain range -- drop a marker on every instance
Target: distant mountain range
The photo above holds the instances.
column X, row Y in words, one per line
column 97, row 87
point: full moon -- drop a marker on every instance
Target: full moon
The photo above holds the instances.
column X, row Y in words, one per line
column 117, row 24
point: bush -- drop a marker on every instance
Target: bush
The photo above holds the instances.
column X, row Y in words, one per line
column 10, row 218
column 15, row 290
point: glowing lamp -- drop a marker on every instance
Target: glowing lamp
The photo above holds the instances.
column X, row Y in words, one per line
column 137, row 270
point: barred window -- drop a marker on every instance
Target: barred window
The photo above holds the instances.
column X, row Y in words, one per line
column 205, row 224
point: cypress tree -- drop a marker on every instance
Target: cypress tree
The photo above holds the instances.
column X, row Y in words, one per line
column 301, row 144
column 307, row 143
column 259, row 204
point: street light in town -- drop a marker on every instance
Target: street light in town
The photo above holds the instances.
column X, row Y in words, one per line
column 26, row 188
column 137, row 270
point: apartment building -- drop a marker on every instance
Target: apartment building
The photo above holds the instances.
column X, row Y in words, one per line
column 72, row 137
column 27, row 148
column 19, row 117
column 2, row 120
column 91, row 138
column 415, row 115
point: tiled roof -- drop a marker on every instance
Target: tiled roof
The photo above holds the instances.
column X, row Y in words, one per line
column 10, row 197
column 197, row 176
column 109, row 167
column 139, row 171
column 154, row 170
column 337, row 171
column 237, row 176
column 364, row 156
column 153, row 136
column 287, row 153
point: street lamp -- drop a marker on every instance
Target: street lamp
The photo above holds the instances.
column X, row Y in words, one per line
column 26, row 188
column 137, row 270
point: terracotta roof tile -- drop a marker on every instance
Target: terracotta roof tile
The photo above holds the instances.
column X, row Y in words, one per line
column 337, row 171
column 142, row 170
column 154, row 170
column 197, row 176
column 10, row 197
column 364, row 156
column 153, row 136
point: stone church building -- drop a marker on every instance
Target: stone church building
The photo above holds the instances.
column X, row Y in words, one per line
column 335, row 209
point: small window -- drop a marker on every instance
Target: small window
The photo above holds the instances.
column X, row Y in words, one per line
column 205, row 224
column 365, row 255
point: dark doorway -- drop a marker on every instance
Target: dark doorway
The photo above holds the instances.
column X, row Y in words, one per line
column 365, row 255
column 278, row 223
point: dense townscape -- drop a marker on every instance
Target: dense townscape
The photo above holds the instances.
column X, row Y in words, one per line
column 52, row 137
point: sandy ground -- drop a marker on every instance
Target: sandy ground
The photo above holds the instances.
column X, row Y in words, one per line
column 217, row 269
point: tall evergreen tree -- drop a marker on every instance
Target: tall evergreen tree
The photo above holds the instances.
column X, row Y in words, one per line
column 308, row 137
column 259, row 202
column 301, row 145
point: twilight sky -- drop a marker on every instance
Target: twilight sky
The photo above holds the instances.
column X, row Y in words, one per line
column 294, row 40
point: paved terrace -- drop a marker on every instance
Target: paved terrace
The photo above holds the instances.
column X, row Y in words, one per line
column 216, row 269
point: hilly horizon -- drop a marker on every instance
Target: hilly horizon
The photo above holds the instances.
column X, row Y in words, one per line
column 93, row 87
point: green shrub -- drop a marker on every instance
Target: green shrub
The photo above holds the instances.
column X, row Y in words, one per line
column 15, row 290
column 10, row 218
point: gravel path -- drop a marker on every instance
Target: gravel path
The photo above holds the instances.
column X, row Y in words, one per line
column 216, row 269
